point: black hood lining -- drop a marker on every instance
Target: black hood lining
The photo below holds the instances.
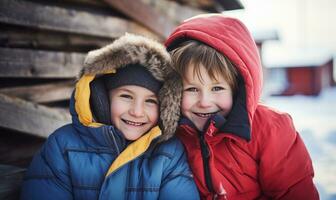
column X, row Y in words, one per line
column 237, row 121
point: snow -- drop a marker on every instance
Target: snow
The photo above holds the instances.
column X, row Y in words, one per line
column 315, row 120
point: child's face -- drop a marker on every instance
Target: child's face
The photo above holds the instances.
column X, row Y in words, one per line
column 203, row 98
column 134, row 110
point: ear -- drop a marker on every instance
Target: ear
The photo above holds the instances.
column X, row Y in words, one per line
column 170, row 97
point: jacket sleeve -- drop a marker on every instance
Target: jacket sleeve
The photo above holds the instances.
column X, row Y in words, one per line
column 48, row 175
column 285, row 170
column 178, row 182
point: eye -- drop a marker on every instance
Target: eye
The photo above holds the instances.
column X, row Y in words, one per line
column 126, row 96
column 191, row 89
column 217, row 88
column 152, row 101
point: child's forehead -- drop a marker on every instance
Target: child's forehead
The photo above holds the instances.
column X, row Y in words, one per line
column 201, row 72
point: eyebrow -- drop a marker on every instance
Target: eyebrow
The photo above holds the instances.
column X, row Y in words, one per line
column 129, row 91
column 124, row 90
column 153, row 96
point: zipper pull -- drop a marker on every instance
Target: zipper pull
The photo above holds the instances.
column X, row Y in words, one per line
column 221, row 193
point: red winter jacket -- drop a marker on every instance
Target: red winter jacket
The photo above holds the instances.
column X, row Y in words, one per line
column 255, row 153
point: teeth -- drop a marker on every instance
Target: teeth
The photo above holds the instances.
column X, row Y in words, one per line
column 133, row 123
column 205, row 115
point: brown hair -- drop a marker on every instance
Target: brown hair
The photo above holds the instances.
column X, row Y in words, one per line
column 197, row 53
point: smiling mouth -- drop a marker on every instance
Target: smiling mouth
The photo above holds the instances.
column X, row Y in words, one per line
column 133, row 123
column 205, row 115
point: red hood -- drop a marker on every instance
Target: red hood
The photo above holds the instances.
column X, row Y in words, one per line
column 230, row 37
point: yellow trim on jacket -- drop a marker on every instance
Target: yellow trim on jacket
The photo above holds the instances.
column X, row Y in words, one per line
column 134, row 150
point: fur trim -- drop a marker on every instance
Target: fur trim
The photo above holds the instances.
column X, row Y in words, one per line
column 129, row 49
column 170, row 97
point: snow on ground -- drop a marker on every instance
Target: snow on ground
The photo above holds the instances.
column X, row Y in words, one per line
column 315, row 119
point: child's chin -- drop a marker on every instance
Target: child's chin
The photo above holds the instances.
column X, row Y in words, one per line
column 132, row 135
column 132, row 138
column 135, row 134
column 199, row 126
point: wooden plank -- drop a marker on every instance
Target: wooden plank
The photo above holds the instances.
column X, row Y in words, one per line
column 39, row 64
column 29, row 14
column 27, row 117
column 145, row 15
column 44, row 93
column 230, row 5
column 19, row 37
column 18, row 148
column 173, row 10
column 11, row 180
column 88, row 2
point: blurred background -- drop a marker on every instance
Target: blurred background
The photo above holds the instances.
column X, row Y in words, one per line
column 43, row 44
column 298, row 52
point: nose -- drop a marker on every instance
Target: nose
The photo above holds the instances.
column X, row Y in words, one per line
column 204, row 100
column 137, row 109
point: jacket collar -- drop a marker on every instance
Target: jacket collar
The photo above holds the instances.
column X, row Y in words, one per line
column 220, row 123
column 135, row 149
column 217, row 120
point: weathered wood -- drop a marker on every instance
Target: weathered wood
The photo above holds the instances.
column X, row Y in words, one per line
column 212, row 6
column 173, row 10
column 144, row 14
column 10, row 183
column 19, row 37
column 200, row 4
column 27, row 117
column 44, row 93
column 17, row 82
column 39, row 64
column 54, row 18
column 18, row 148
column 229, row 5
column 98, row 3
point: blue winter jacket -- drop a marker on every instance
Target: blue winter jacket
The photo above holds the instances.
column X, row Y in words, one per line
column 88, row 160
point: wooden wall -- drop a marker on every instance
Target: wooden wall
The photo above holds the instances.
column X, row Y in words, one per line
column 42, row 48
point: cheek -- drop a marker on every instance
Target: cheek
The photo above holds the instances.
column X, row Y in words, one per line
column 225, row 103
column 114, row 113
column 187, row 103
column 153, row 114
column 116, row 109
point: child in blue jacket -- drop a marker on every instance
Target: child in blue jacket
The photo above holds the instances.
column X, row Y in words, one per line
column 113, row 149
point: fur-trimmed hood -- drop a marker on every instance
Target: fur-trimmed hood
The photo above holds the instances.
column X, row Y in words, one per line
column 128, row 49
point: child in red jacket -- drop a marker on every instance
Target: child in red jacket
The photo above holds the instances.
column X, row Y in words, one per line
column 237, row 147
